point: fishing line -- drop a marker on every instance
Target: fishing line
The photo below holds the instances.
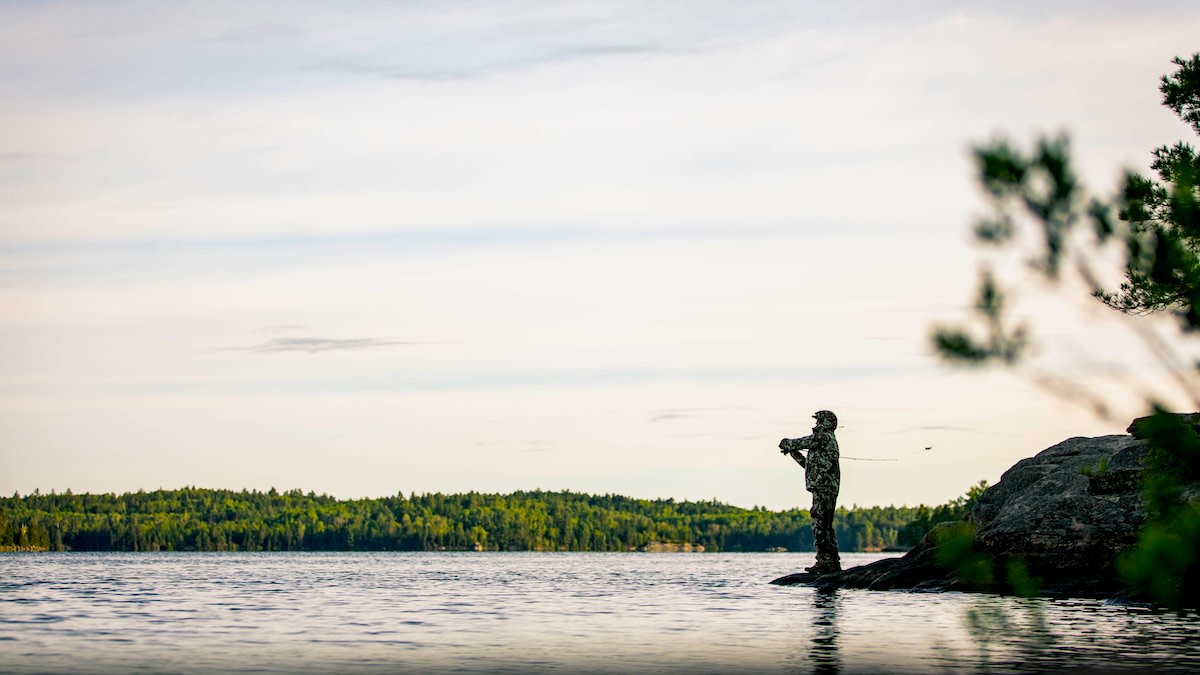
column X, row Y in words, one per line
column 885, row 459
column 888, row 459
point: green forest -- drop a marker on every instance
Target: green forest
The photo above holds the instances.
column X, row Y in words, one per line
column 197, row 519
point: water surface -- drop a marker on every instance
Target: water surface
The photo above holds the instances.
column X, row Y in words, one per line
column 540, row 612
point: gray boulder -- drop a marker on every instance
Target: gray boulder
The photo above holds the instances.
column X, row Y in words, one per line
column 1061, row 521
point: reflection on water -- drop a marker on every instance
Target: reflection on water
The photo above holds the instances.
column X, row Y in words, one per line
column 533, row 612
column 1032, row 635
column 824, row 651
column 1008, row 631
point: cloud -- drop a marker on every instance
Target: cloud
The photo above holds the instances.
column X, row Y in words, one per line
column 314, row 345
column 20, row 156
column 434, row 72
column 28, row 160
column 254, row 33
column 280, row 328
column 942, row 427
column 686, row 413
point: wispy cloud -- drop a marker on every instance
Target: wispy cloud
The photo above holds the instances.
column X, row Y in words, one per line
column 315, row 345
column 25, row 160
column 280, row 328
column 943, row 427
column 688, row 413
column 254, row 33
column 536, row 446
column 442, row 72
column 20, row 156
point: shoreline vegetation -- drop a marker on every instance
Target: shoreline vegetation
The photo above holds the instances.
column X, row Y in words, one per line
column 200, row 519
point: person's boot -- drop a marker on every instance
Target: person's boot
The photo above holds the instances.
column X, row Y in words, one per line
column 824, row 567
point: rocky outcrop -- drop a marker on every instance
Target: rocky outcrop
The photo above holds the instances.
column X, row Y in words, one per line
column 1060, row 516
column 1060, row 520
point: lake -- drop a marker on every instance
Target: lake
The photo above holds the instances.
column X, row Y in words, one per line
column 538, row 612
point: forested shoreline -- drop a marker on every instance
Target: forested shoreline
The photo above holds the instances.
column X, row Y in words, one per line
column 199, row 519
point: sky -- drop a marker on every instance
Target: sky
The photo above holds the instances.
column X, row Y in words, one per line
column 610, row 247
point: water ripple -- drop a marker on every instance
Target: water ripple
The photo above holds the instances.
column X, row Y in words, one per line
column 523, row 612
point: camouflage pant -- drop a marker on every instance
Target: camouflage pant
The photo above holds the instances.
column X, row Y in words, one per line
column 824, row 537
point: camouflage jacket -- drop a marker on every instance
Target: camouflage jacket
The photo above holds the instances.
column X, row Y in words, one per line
column 822, row 472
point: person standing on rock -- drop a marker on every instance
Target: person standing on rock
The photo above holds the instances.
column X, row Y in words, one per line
column 823, row 478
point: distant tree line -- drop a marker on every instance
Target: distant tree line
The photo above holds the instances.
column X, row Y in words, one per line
column 196, row 519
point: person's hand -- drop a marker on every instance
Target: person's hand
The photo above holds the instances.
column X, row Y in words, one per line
column 783, row 445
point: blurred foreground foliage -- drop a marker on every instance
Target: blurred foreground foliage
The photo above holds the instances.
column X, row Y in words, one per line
column 1156, row 233
column 195, row 519
column 1165, row 564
